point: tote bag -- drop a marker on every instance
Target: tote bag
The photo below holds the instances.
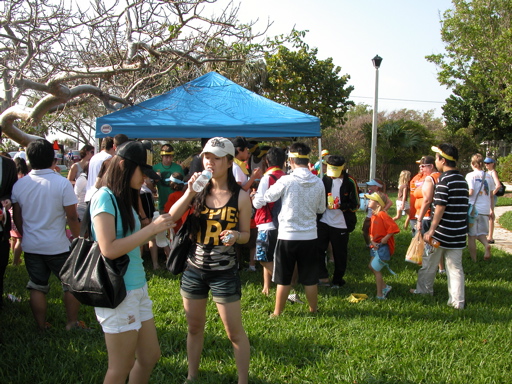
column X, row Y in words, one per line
column 91, row 277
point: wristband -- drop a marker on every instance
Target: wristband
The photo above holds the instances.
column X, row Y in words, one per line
column 143, row 218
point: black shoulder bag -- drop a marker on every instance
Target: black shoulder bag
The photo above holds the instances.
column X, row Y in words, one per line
column 91, row 277
column 180, row 248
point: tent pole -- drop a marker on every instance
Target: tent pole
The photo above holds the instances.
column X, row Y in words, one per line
column 320, row 157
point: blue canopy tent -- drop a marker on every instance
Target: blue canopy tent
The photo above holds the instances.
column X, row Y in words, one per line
column 209, row 106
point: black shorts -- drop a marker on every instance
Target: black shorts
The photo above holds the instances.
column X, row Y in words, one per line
column 300, row 252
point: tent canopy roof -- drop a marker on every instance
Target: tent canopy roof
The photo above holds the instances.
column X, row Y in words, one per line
column 208, row 106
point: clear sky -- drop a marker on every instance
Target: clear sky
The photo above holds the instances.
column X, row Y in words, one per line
column 352, row 32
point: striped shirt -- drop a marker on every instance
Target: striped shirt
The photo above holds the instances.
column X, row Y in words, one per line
column 453, row 193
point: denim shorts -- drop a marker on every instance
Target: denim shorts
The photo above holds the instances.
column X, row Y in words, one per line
column 40, row 267
column 225, row 285
column 136, row 308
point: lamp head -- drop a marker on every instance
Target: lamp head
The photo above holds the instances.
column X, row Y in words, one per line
column 376, row 61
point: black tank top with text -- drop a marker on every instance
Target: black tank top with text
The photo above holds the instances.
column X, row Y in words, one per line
column 211, row 254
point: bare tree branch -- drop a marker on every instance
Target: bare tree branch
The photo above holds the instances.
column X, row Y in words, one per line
column 56, row 57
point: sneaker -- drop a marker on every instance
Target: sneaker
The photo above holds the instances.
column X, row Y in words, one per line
column 294, row 298
column 380, row 297
column 324, row 284
column 335, row 286
column 251, row 268
column 442, row 272
column 386, row 290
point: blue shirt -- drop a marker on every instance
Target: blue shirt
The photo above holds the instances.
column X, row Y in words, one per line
column 101, row 201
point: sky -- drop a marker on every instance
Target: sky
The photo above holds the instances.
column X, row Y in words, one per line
column 352, row 32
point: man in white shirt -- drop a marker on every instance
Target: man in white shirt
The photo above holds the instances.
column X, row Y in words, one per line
column 42, row 201
column 107, row 151
column 21, row 153
column 242, row 154
column 303, row 197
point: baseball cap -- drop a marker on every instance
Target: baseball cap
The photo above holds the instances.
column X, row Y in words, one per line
column 420, row 160
column 375, row 197
column 219, row 146
column 488, row 160
column 135, row 151
column 374, row 182
column 324, row 152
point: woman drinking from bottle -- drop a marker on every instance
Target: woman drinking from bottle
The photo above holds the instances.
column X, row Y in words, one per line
column 221, row 218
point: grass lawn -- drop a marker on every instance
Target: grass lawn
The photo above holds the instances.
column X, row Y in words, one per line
column 405, row 339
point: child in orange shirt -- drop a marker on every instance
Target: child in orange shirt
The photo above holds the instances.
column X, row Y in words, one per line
column 382, row 229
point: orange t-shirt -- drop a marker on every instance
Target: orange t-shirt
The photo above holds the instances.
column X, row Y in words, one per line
column 381, row 225
column 418, row 193
column 412, row 188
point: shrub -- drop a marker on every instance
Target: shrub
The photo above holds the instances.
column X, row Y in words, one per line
column 505, row 168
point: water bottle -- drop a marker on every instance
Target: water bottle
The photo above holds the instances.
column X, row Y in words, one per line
column 161, row 238
column 202, row 180
column 330, row 201
column 433, row 242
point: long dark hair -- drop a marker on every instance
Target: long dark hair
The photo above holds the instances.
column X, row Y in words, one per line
column 117, row 178
column 200, row 199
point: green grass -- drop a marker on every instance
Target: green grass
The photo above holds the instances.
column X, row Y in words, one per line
column 405, row 339
column 505, row 220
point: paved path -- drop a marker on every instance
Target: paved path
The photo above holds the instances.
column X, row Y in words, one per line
column 502, row 237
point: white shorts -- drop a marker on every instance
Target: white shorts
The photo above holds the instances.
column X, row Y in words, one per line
column 129, row 315
column 399, row 206
column 480, row 226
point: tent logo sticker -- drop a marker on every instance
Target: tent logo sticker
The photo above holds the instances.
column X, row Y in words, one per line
column 106, row 129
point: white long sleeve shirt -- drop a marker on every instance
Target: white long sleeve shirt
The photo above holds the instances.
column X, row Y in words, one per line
column 303, row 197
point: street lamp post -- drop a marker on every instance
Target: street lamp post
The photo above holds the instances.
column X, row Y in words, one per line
column 373, row 150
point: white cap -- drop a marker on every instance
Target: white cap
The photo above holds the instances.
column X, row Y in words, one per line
column 219, row 146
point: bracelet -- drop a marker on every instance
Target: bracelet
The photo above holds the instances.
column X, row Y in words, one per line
column 143, row 218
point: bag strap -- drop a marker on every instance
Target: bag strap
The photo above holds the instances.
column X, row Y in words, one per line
column 85, row 228
column 481, row 185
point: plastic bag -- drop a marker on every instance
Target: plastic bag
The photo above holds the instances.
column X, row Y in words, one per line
column 415, row 251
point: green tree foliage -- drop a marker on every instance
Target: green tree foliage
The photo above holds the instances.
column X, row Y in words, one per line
column 477, row 64
column 486, row 119
column 403, row 135
column 505, row 168
column 299, row 79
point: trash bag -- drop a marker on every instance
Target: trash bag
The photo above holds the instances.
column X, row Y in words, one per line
column 415, row 251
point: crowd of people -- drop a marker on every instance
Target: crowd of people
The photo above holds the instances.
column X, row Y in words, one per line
column 287, row 213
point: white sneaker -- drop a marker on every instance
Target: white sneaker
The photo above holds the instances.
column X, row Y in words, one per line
column 294, row 298
column 386, row 290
